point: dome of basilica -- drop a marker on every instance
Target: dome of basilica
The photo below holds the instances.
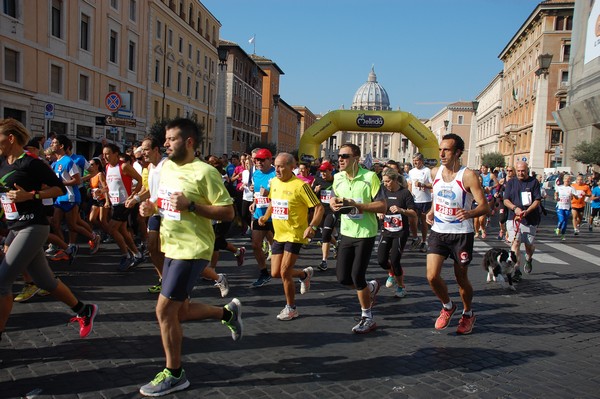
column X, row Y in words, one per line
column 371, row 95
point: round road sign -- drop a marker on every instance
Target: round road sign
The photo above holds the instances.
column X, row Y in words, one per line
column 113, row 101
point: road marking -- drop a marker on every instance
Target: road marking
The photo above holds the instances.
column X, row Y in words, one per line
column 481, row 247
column 574, row 252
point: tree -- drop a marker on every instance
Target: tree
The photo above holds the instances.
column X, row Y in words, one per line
column 493, row 160
column 587, row 153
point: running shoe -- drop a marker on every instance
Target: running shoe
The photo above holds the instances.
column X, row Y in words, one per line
column 42, row 292
column 265, row 246
column 376, row 287
column 51, row 250
column 465, row 324
column 94, row 244
column 557, row 231
column 28, row 291
column 60, row 255
column 74, row 250
column 165, row 383
column 444, row 318
column 590, row 229
column 235, row 324
column 223, row 286
column 391, row 282
column 528, row 268
column 563, row 238
column 287, row 313
column 269, row 254
column 416, row 242
column 423, row 247
column 262, row 280
column 576, row 232
column 366, row 324
column 155, row 289
column 400, row 292
column 86, row 319
column 240, row 257
column 517, row 276
column 483, row 234
column 135, row 262
column 334, row 248
column 124, row 263
column 323, row 265
column 500, row 236
column 305, row 282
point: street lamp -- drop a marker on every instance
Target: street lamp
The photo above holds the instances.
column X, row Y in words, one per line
column 446, row 123
column 276, row 98
column 221, row 137
column 471, row 159
column 544, row 61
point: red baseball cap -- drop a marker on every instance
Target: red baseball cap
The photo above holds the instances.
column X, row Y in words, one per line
column 263, row 153
column 325, row 166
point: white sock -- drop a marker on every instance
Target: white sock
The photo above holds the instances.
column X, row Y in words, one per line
column 448, row 305
column 366, row 313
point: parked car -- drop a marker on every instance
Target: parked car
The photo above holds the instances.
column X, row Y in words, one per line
column 550, row 181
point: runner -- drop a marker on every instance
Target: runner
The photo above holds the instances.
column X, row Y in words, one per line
column 578, row 201
column 563, row 195
column 420, row 184
column 322, row 186
column 22, row 178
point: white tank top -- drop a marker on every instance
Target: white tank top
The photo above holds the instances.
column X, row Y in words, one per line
column 448, row 198
column 116, row 187
column 154, row 178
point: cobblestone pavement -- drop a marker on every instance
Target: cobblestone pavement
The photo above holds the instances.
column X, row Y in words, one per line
column 541, row 341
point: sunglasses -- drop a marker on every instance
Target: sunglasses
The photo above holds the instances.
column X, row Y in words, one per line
column 344, row 156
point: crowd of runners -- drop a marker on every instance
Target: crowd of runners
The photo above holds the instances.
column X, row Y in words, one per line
column 161, row 204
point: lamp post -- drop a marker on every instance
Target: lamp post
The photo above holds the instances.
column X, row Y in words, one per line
column 446, row 123
column 276, row 98
column 537, row 152
column 221, row 137
column 473, row 136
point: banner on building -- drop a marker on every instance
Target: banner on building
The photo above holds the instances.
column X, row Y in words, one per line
column 592, row 40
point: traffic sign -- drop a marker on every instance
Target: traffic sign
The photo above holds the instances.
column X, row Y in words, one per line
column 113, row 101
column 124, row 113
column 114, row 121
column 49, row 111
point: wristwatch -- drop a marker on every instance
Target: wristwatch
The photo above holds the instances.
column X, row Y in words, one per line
column 315, row 228
column 192, row 207
column 36, row 195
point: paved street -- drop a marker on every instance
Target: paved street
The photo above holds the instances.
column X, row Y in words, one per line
column 541, row 341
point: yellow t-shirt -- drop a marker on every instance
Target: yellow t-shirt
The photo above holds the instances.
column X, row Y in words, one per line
column 145, row 178
column 185, row 235
column 290, row 201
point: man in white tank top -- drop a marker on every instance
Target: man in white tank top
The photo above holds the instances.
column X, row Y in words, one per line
column 452, row 235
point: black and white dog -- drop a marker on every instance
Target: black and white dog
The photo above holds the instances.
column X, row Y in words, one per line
column 500, row 265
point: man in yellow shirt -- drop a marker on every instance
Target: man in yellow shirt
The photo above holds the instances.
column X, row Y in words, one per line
column 290, row 199
column 190, row 195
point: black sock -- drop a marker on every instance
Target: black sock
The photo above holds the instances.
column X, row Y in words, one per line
column 78, row 308
column 176, row 372
column 264, row 272
column 227, row 314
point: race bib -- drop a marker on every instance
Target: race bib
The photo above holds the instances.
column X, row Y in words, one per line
column 392, row 223
column 446, row 210
column 260, row 201
column 10, row 208
column 326, row 196
column 526, row 198
column 114, row 197
column 355, row 215
column 280, row 209
column 165, row 207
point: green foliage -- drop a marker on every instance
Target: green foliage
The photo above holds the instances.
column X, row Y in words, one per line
column 493, row 160
column 587, row 153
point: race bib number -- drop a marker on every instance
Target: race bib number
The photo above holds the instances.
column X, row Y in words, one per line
column 446, row 211
column 392, row 223
column 114, row 197
column 280, row 209
column 526, row 198
column 260, row 201
column 355, row 215
column 165, row 207
column 326, row 196
column 10, row 208
column 564, row 200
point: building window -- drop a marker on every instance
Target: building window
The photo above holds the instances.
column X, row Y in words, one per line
column 84, row 88
column 157, row 71
column 12, row 65
column 197, row 90
column 56, row 79
column 9, row 7
column 16, row 114
column 131, row 105
column 84, row 42
column 132, row 10
column 566, row 52
column 155, row 109
column 170, row 38
column 114, row 4
column 57, row 18
column 112, row 87
column 168, row 76
column 188, row 87
column 180, row 45
column 179, row 82
column 564, row 77
column 131, row 64
column 84, row 131
column 556, row 137
column 112, row 46
column 158, row 29
column 168, row 111
column 563, row 23
column 461, row 120
column 190, row 51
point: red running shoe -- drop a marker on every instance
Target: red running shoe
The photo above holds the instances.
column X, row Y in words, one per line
column 444, row 318
column 465, row 325
column 86, row 322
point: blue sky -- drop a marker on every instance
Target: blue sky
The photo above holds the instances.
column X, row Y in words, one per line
column 426, row 53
